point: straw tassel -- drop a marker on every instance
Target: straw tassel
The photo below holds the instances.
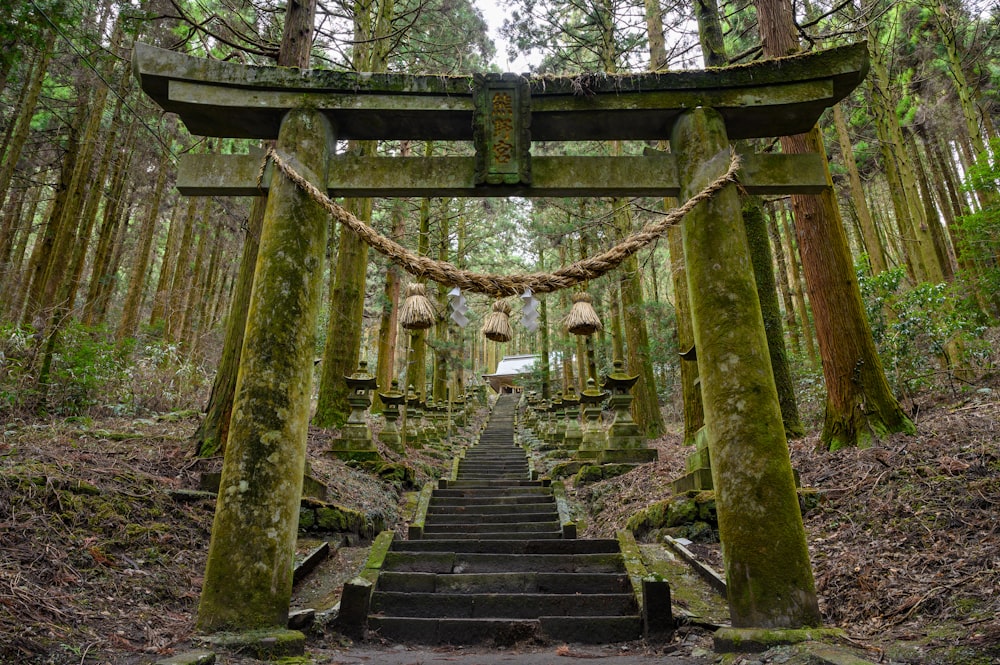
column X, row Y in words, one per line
column 496, row 326
column 582, row 319
column 417, row 312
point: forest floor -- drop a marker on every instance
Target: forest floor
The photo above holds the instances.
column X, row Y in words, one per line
column 101, row 558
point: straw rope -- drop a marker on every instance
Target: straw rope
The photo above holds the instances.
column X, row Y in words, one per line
column 494, row 285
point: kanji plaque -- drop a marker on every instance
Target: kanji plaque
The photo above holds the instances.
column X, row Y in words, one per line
column 501, row 130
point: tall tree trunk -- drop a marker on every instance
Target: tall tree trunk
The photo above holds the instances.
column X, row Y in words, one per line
column 388, row 329
column 213, row 431
column 873, row 246
column 140, row 265
column 763, row 271
column 114, row 203
column 42, row 254
column 783, row 288
column 10, row 282
column 26, row 111
column 860, row 405
column 161, row 296
column 931, row 217
column 177, row 295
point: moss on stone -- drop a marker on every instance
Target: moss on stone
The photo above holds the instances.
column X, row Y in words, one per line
column 767, row 565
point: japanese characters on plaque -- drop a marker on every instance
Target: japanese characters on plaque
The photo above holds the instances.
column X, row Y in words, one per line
column 501, row 130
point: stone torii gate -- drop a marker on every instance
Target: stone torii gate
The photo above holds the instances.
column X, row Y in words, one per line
column 248, row 577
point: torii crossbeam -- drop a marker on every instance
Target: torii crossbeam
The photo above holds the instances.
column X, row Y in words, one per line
column 762, row 99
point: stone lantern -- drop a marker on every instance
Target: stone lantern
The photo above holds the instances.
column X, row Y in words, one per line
column 557, row 428
column 594, row 439
column 355, row 442
column 626, row 444
column 413, row 434
column 391, row 435
column 574, row 434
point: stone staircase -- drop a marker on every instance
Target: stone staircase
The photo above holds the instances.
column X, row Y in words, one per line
column 491, row 563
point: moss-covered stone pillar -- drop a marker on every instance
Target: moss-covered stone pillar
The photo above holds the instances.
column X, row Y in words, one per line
column 767, row 565
column 248, row 577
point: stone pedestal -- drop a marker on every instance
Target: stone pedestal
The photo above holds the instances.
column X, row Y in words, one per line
column 697, row 467
column 558, row 432
column 458, row 412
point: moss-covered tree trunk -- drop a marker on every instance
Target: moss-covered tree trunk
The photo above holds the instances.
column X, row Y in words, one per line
column 769, row 577
column 161, row 296
column 860, row 405
column 795, row 282
column 694, row 413
column 26, row 112
column 248, row 577
column 388, row 328
column 933, row 219
column 913, row 225
column 767, row 293
column 140, row 264
column 343, row 334
column 783, row 288
column 873, row 245
column 213, row 431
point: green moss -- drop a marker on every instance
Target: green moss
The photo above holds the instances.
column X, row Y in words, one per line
column 588, row 474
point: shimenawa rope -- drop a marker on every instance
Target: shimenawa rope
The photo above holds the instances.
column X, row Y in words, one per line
column 499, row 286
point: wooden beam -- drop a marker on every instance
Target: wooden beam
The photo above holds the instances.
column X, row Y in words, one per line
column 386, row 177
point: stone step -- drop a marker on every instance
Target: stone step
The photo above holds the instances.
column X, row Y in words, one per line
column 501, row 605
column 463, row 517
column 494, row 535
column 471, row 562
column 472, row 528
column 501, row 491
column 522, row 582
column 496, row 484
column 463, row 500
column 563, row 548
column 436, row 508
column 492, row 565
column 589, row 630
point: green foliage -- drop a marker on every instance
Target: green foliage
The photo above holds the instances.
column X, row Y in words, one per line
column 979, row 232
column 90, row 374
column 926, row 334
column 86, row 364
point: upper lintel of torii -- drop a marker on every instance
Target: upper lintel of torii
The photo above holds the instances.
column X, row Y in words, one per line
column 762, row 99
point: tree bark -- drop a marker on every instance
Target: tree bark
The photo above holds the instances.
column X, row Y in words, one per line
column 214, row 428
column 140, row 264
column 860, row 406
column 873, row 246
